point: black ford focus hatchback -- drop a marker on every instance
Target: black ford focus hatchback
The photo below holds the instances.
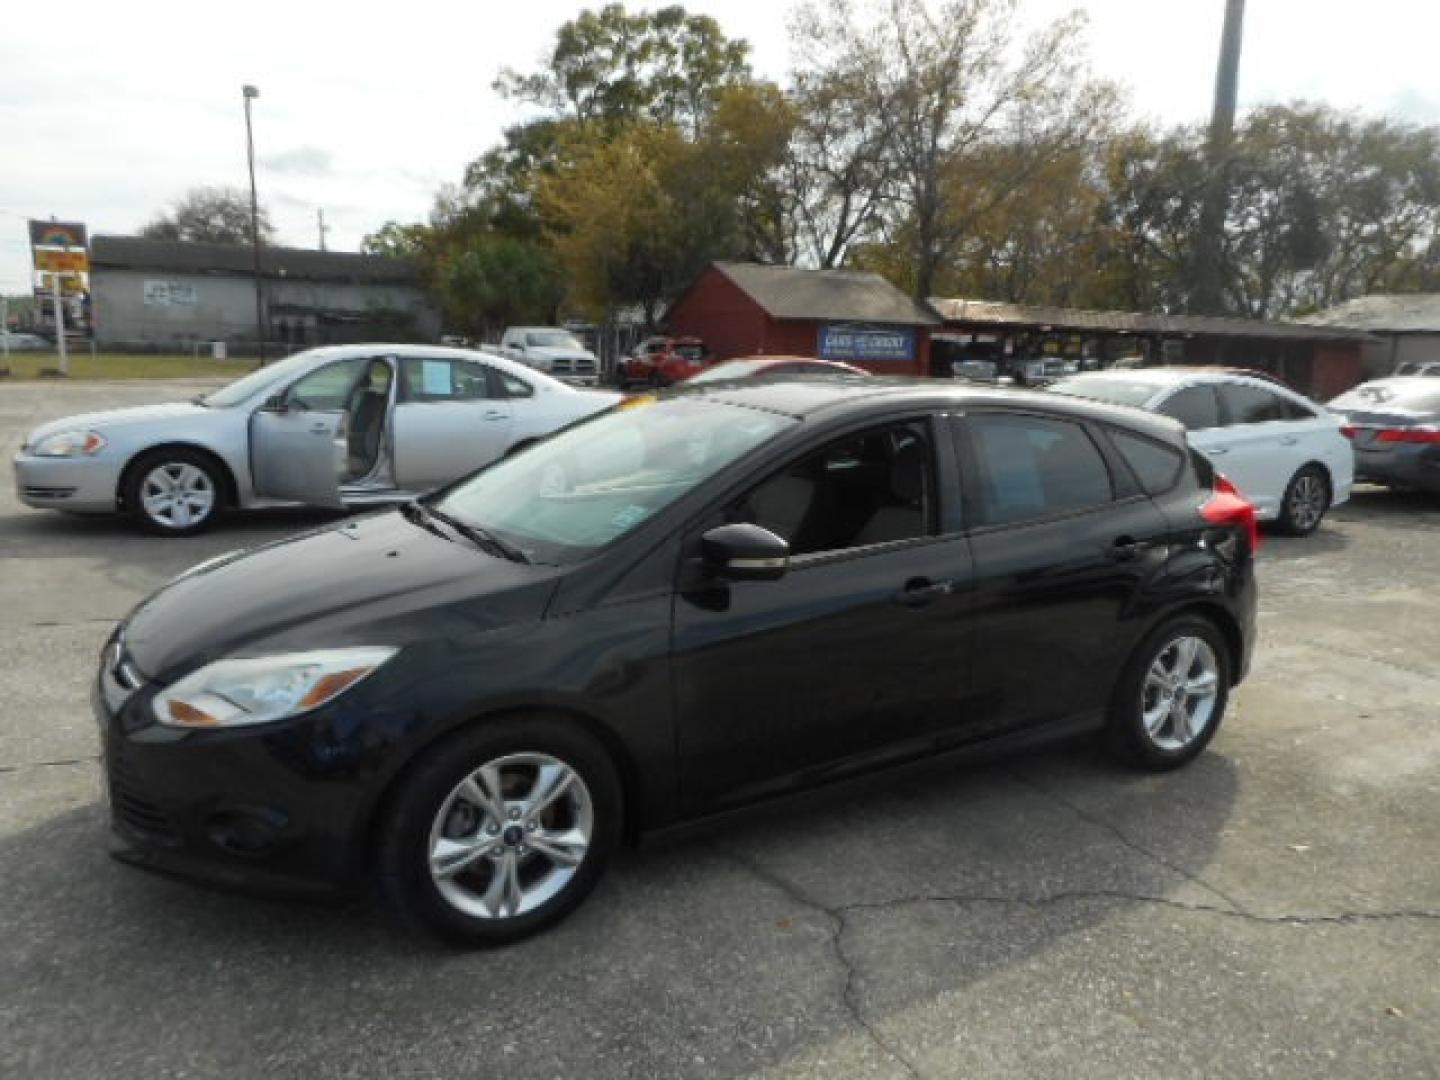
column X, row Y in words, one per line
column 683, row 605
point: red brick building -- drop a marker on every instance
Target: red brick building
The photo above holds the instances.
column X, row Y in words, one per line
column 746, row 309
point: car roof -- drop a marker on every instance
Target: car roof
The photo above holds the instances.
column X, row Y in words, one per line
column 430, row 352
column 804, row 398
column 1161, row 377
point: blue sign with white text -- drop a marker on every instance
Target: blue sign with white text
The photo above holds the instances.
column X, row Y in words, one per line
column 867, row 341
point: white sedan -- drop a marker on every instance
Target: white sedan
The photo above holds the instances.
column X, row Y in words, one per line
column 1286, row 454
column 347, row 425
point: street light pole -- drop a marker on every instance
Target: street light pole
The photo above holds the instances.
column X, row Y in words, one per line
column 251, row 93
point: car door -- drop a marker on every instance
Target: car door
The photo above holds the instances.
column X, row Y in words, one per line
column 858, row 653
column 1259, row 447
column 449, row 420
column 298, row 450
column 1062, row 538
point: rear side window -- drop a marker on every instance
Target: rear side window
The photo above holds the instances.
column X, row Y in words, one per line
column 1195, row 406
column 1252, row 405
column 1156, row 465
column 1033, row 467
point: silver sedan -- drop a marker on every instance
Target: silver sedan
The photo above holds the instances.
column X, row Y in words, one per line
column 341, row 426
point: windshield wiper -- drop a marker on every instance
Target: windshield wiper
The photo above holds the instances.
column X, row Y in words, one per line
column 481, row 538
column 417, row 512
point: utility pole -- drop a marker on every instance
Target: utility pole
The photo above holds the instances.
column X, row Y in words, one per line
column 1205, row 287
column 320, row 221
column 251, row 93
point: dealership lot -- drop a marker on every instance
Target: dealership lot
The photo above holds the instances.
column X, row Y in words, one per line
column 1274, row 908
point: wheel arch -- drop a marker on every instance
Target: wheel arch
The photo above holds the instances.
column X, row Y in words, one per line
column 1227, row 624
column 631, row 793
column 227, row 474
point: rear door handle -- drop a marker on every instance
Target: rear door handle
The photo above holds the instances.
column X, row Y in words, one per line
column 494, row 415
column 1125, row 549
column 919, row 592
column 1289, row 440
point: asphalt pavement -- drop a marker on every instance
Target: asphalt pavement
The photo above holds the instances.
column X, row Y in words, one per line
column 1271, row 910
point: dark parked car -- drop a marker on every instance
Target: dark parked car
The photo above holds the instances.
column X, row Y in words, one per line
column 1394, row 425
column 686, row 604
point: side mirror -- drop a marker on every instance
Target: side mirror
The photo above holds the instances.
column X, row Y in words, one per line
column 743, row 552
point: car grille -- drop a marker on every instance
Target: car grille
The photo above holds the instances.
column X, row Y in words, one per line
column 132, row 809
column 572, row 367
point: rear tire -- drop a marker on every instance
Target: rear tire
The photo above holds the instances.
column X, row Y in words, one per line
column 174, row 492
column 512, row 850
column 1172, row 695
column 1307, row 497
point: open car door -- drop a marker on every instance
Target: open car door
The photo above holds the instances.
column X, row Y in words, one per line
column 298, row 448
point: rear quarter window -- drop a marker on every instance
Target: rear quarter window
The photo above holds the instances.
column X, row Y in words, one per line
column 1156, row 465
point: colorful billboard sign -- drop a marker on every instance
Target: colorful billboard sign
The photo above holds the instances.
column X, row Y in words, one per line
column 57, row 234
column 53, row 261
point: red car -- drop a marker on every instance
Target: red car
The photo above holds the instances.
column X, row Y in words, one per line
column 661, row 361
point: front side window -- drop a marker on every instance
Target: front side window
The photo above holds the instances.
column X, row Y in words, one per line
column 872, row 488
column 591, row 484
column 1034, row 467
column 1251, row 404
column 327, row 389
column 427, row 380
column 1196, row 407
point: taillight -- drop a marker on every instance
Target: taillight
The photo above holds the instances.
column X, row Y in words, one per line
column 1424, row 433
column 1348, row 430
column 1226, row 506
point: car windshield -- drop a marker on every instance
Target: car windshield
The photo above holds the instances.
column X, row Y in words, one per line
column 553, row 339
column 247, row 387
column 1411, row 395
column 593, row 483
column 731, row 369
column 1134, row 392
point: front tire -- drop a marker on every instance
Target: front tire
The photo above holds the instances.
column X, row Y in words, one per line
column 501, row 831
column 175, row 492
column 1307, row 497
column 1172, row 695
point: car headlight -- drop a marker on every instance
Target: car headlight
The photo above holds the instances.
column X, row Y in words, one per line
column 69, row 444
column 236, row 693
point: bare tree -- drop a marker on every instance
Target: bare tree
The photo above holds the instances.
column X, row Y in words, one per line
column 215, row 215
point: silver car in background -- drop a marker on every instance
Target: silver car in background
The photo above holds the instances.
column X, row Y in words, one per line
column 340, row 426
column 1394, row 425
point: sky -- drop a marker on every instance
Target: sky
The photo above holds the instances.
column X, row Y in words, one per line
column 113, row 111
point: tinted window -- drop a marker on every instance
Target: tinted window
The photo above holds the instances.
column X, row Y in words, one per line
column 511, row 386
column 1195, row 406
column 327, row 389
column 443, row 380
column 1297, row 410
column 866, row 489
column 1251, row 405
column 1033, row 468
column 1156, row 465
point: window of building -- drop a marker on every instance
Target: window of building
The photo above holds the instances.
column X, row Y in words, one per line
column 1032, row 467
column 871, row 488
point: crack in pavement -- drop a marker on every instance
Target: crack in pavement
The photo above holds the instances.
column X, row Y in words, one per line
column 838, row 917
column 1124, row 838
column 49, row 764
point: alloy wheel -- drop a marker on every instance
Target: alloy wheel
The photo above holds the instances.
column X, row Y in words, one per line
column 511, row 836
column 1307, row 502
column 1178, row 696
column 177, row 495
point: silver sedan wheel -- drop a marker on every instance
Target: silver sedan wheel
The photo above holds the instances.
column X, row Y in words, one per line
column 1177, row 699
column 511, row 836
column 1307, row 502
column 177, row 495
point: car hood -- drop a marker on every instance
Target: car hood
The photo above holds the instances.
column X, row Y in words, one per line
column 551, row 352
column 379, row 580
column 110, row 419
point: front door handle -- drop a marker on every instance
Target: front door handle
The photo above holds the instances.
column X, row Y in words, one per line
column 319, row 429
column 1289, row 440
column 918, row 592
column 1215, row 451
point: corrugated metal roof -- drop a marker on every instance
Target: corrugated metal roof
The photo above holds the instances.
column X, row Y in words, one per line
column 994, row 313
column 184, row 257
column 1412, row 313
column 787, row 292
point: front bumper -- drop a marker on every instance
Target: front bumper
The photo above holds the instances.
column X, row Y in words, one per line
column 278, row 810
column 66, row 483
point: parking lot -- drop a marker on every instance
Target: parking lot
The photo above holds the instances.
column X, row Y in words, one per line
column 1274, row 909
